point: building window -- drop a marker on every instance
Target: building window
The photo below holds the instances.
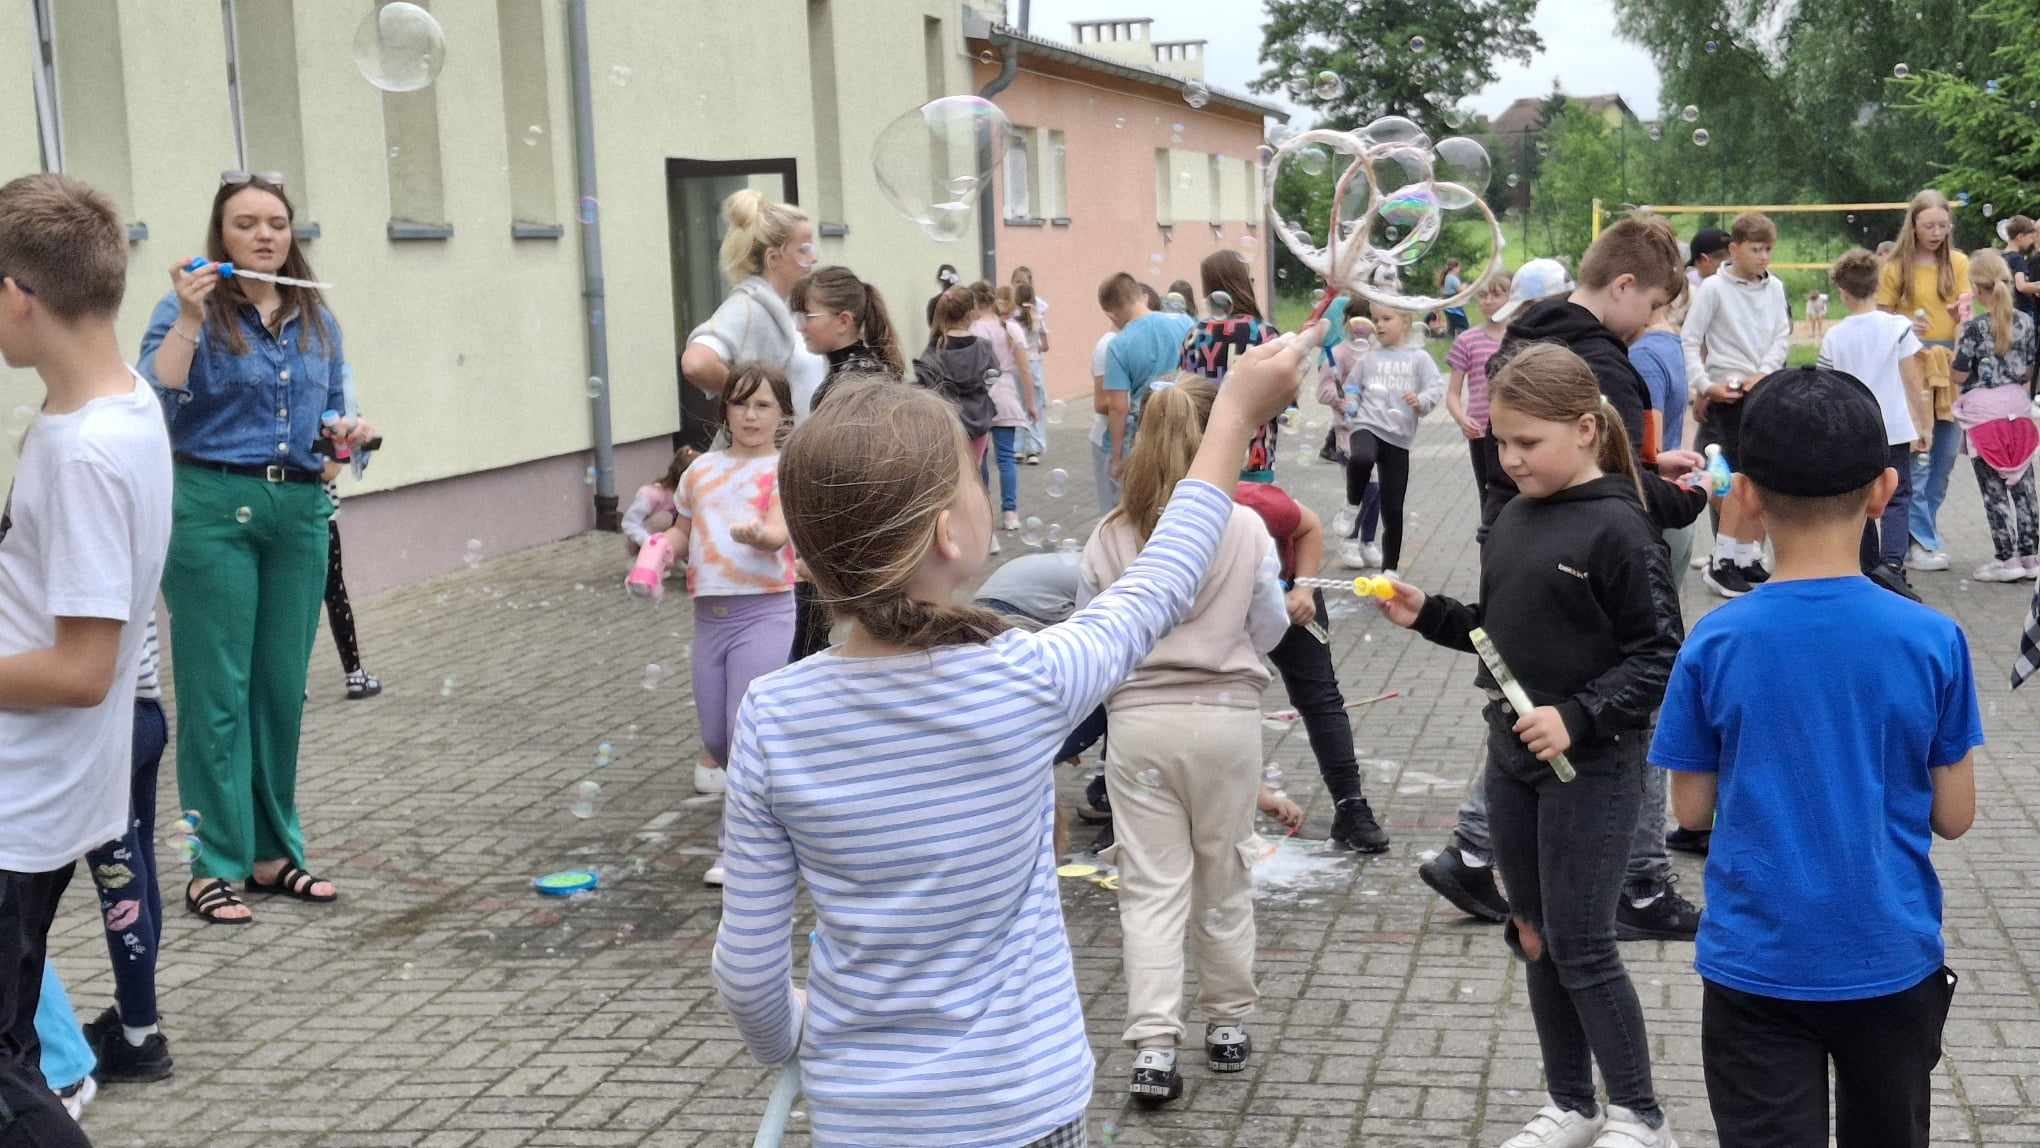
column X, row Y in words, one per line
column 81, row 95
column 416, row 180
column 1257, row 208
column 934, row 60
column 262, row 92
column 1021, row 165
column 1165, row 189
column 821, row 27
column 1214, row 176
column 1055, row 183
column 527, row 104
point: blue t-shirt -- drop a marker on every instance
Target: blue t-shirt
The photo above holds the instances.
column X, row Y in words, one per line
column 1146, row 349
column 1822, row 705
column 1660, row 359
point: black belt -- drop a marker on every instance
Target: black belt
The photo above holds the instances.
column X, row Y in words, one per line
column 271, row 473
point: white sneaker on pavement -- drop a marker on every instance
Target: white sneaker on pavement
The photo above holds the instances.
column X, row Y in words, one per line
column 1352, row 556
column 1995, row 571
column 1555, row 1127
column 708, row 780
column 1624, row 1129
column 714, row 876
column 1373, row 553
column 1921, row 558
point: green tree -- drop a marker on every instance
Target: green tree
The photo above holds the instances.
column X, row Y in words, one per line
column 1580, row 166
column 1991, row 125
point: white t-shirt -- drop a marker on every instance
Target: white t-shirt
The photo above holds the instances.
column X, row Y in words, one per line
column 1870, row 347
column 83, row 536
column 1101, row 435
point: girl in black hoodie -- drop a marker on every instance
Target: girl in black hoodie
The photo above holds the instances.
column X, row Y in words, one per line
column 1580, row 604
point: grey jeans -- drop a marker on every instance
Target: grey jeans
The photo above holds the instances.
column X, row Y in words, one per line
column 1648, row 862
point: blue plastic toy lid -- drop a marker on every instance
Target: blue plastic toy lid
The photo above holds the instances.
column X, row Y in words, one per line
column 566, row 882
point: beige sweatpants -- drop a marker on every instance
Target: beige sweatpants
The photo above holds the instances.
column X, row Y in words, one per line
column 1183, row 779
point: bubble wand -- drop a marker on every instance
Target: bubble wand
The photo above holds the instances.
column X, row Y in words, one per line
column 1513, row 691
column 229, row 271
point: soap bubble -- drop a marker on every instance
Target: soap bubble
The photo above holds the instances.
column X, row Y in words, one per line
column 1514, row 180
column 605, row 753
column 1195, row 93
column 584, row 799
column 446, row 687
column 1149, row 778
column 588, row 479
column 987, row 57
column 1157, row 258
column 1900, row 71
column 1690, row 113
column 1175, row 304
column 1220, row 303
column 1990, row 87
column 655, row 676
column 1962, row 199
column 532, row 134
column 193, row 819
column 1849, row 218
column 1119, row 122
column 1313, row 160
column 1030, row 532
column 1058, row 483
column 1328, row 86
column 1052, row 534
column 1712, row 47
column 1069, row 550
column 242, row 515
column 1463, row 161
column 1989, row 209
column 921, row 155
column 399, row 48
column 589, row 208
column 1657, row 132
column 619, row 74
column 1058, row 410
column 1212, row 919
column 1417, row 45
column 188, row 848
column 1700, row 137
column 1543, row 149
column 1272, row 774
column 473, row 555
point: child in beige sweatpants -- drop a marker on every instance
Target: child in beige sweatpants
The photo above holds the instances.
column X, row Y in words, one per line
column 1183, row 763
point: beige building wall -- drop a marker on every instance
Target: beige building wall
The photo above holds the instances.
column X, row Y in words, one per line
column 470, row 351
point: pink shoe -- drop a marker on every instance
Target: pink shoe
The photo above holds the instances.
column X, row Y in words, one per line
column 647, row 578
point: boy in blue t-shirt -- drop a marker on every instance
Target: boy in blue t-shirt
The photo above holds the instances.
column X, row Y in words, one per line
column 1833, row 722
column 1148, row 347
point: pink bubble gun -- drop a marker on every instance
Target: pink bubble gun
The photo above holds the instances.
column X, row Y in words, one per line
column 647, row 577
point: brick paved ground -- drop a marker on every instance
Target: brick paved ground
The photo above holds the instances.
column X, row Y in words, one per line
column 443, row 1004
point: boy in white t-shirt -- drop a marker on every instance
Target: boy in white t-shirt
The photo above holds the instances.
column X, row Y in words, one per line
column 82, row 542
column 1878, row 348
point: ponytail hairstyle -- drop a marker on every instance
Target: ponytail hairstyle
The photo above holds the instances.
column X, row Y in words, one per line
column 952, row 309
column 838, row 289
column 1908, row 244
column 1227, row 271
column 1171, row 429
column 1549, row 383
column 862, row 490
column 756, row 226
column 682, row 459
column 1023, row 302
column 1992, row 278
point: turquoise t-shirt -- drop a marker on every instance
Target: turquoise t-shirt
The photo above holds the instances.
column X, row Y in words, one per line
column 1822, row 705
column 1146, row 349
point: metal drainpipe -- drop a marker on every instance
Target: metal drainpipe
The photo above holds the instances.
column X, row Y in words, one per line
column 988, row 223
column 606, row 516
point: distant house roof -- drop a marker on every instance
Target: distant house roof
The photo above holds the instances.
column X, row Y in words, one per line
column 1520, row 117
column 1074, row 57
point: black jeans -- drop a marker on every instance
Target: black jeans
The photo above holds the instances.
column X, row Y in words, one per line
column 1767, row 1065
column 31, row 1116
column 1884, row 540
column 1561, row 848
column 124, row 871
column 1368, row 453
column 1478, row 448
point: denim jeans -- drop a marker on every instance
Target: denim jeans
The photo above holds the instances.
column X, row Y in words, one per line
column 124, row 871
column 1884, row 540
column 1101, row 476
column 1649, row 864
column 1930, row 473
column 1009, row 466
column 1558, row 845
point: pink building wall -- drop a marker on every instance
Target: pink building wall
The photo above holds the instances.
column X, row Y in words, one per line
column 1111, row 186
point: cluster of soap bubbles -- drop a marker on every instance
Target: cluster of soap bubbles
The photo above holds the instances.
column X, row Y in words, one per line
column 184, row 837
column 934, row 162
column 1058, row 483
column 400, row 48
column 584, row 799
column 1394, row 189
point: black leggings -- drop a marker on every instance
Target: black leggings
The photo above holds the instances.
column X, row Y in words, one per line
column 1366, row 453
column 338, row 613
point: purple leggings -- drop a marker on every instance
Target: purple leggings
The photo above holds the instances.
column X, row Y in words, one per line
column 736, row 638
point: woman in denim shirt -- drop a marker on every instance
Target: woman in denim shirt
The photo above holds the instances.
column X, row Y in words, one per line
column 245, row 369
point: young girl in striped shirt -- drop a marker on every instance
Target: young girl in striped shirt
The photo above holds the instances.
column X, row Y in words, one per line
column 904, row 777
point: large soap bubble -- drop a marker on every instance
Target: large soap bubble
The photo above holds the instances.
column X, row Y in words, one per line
column 399, row 48
column 934, row 162
column 1391, row 194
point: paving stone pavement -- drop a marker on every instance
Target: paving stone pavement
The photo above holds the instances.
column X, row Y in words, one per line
column 442, row 1004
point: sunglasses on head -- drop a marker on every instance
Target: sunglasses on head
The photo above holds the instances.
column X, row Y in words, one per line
column 237, row 178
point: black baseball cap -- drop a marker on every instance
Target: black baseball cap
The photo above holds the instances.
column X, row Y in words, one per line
column 1812, row 432
column 1706, row 241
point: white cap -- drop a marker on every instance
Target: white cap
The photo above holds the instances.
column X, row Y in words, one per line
column 1537, row 279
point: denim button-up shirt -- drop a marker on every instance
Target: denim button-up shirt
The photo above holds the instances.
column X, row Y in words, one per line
column 253, row 409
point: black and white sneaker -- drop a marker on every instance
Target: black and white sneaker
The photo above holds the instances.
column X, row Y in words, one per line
column 1354, row 827
column 1227, row 1047
column 1684, row 840
column 1754, row 573
column 1155, row 1079
column 1097, row 806
column 1726, row 579
column 1471, row 889
column 1665, row 917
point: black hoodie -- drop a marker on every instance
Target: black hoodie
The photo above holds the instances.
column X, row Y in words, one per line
column 1583, row 609
column 1562, row 321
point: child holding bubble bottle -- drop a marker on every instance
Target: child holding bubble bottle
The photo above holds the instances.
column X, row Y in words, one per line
column 730, row 529
column 1389, row 389
column 651, row 511
column 1572, row 612
column 923, row 823
column 1181, row 765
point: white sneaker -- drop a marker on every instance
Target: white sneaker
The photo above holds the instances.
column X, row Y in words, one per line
column 1700, row 559
column 995, row 544
column 2010, row 571
column 1921, row 558
column 79, row 1096
column 1555, row 1127
column 1624, row 1129
column 1353, row 556
column 1373, row 553
column 714, row 876
column 1011, row 521
column 708, row 780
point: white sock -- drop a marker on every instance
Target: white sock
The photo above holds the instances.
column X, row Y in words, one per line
column 1724, row 548
column 1473, row 860
column 1749, row 553
column 135, row 1036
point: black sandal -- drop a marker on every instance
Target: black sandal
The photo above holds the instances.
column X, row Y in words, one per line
column 291, row 881
column 213, row 896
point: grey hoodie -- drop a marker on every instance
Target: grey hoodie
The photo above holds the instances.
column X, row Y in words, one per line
column 1380, row 378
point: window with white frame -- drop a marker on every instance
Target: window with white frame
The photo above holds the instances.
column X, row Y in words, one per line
column 81, row 94
column 1022, row 161
column 262, row 92
column 1056, row 179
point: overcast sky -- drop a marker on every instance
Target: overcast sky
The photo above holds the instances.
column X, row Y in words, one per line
column 1580, row 46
